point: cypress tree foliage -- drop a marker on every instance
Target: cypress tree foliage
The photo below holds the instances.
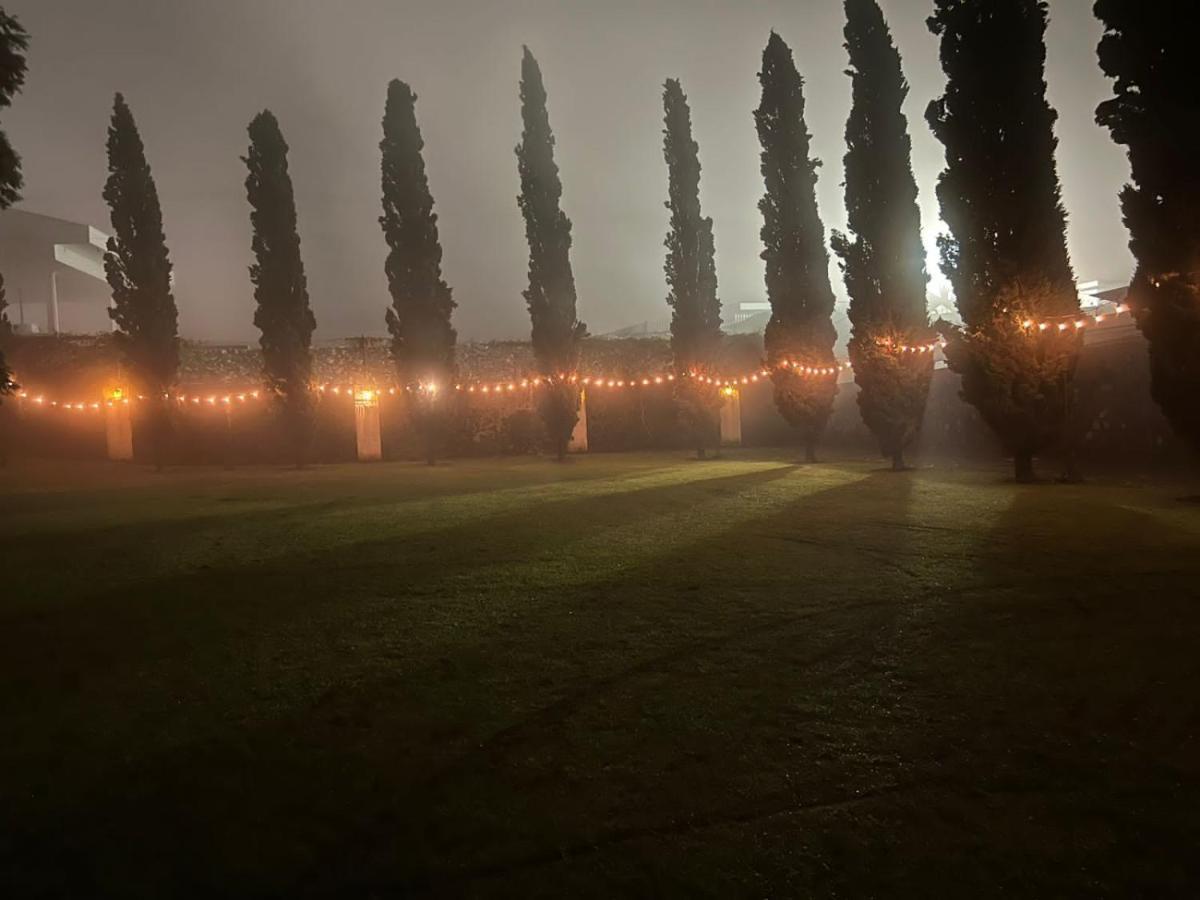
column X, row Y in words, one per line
column 1155, row 112
column 557, row 331
column 14, row 41
column 280, row 287
column 1006, row 254
column 691, row 273
column 800, row 330
column 419, row 317
column 138, row 268
column 884, row 262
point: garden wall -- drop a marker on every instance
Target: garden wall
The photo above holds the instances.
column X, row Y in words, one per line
column 1112, row 418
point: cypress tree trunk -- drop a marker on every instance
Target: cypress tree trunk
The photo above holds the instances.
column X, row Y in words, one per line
column 1006, row 255
column 883, row 257
column 691, row 274
column 898, row 460
column 1155, row 112
column 1023, row 467
column 800, row 335
column 557, row 331
column 810, row 448
column 6, row 378
column 159, row 430
column 138, row 268
column 283, row 315
column 419, row 317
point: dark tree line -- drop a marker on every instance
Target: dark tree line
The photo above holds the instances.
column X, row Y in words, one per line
column 419, row 317
column 800, row 329
column 557, row 331
column 1155, row 112
column 883, row 257
column 1006, row 254
column 691, row 274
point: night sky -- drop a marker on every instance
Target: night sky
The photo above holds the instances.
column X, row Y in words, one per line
column 195, row 71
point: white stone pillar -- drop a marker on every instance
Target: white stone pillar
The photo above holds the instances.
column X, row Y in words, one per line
column 118, row 427
column 366, row 425
column 579, row 437
column 52, row 312
column 731, row 418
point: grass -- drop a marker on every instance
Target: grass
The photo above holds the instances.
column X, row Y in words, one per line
column 627, row 675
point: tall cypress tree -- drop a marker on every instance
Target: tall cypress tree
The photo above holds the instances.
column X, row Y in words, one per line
column 691, row 273
column 557, row 331
column 419, row 317
column 800, row 330
column 1155, row 112
column 1006, row 254
column 280, row 287
column 138, row 267
column 14, row 41
column 884, row 262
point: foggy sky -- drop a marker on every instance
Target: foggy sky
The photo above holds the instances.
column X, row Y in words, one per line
column 196, row 71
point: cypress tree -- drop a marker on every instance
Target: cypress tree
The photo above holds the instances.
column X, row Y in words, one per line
column 1006, row 254
column 883, row 263
column 1155, row 112
column 14, row 41
column 691, row 273
column 280, row 287
column 419, row 317
column 557, row 331
column 800, row 331
column 138, row 267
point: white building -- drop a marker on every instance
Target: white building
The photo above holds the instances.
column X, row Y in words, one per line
column 53, row 274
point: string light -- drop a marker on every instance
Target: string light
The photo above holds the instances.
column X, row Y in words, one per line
column 1075, row 322
column 1062, row 324
column 491, row 388
column 911, row 348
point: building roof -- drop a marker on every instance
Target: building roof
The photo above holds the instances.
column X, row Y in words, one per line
column 18, row 225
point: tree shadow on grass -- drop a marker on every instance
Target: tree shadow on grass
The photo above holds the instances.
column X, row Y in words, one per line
column 222, row 613
column 746, row 695
column 677, row 719
column 1063, row 681
column 53, row 569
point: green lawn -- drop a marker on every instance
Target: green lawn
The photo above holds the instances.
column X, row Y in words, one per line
column 626, row 675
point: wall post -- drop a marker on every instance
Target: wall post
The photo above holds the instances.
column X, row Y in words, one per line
column 731, row 417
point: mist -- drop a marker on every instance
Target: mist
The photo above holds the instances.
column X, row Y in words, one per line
column 196, row 72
